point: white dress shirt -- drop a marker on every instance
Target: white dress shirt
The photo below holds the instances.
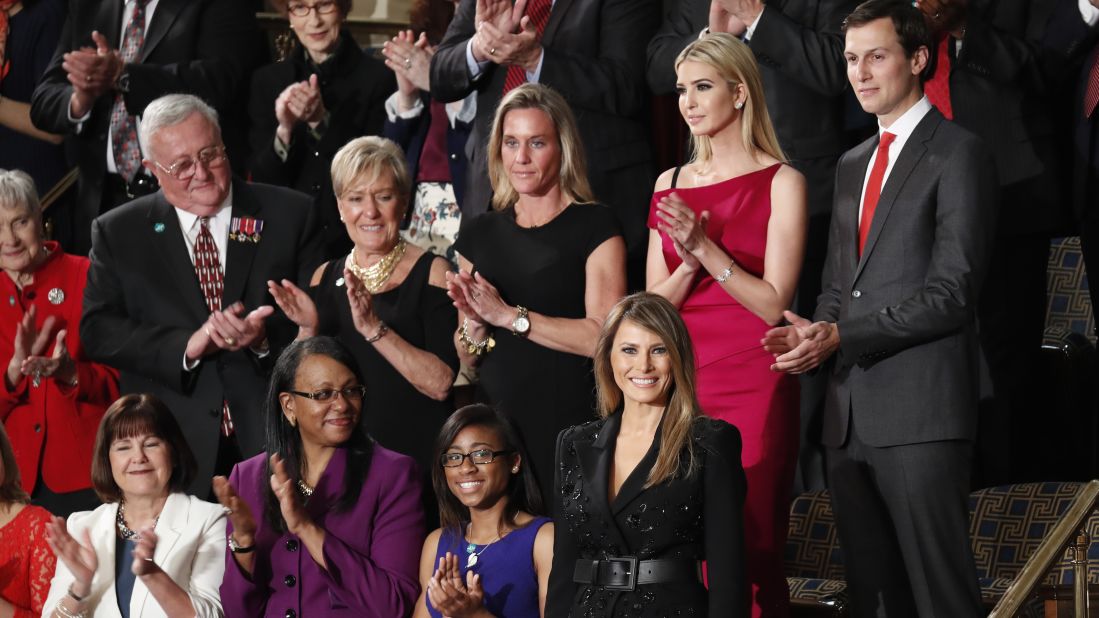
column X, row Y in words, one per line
column 902, row 127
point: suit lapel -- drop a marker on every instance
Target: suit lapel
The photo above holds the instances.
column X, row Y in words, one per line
column 173, row 519
column 635, row 482
column 596, row 458
column 109, row 19
column 239, row 253
column 168, row 238
column 166, row 13
column 913, row 151
column 853, row 175
column 557, row 15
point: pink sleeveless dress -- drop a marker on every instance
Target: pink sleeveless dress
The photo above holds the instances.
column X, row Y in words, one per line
column 735, row 383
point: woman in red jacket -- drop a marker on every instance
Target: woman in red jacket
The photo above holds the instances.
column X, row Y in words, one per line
column 52, row 397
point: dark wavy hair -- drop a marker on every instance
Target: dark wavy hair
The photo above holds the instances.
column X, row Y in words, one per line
column 11, row 483
column 523, row 493
column 907, row 20
column 285, row 439
column 133, row 415
column 432, row 17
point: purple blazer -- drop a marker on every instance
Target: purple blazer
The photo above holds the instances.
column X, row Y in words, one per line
column 372, row 550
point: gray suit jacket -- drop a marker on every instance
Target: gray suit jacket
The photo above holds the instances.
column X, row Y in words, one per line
column 905, row 371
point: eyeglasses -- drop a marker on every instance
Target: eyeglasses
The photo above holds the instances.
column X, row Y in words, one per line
column 351, row 393
column 212, row 157
column 479, row 457
column 324, row 7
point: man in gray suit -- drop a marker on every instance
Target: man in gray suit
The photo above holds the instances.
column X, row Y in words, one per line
column 909, row 243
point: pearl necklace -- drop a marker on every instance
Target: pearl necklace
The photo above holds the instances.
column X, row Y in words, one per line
column 374, row 277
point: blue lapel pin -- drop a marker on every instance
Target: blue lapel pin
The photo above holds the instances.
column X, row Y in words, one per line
column 158, row 227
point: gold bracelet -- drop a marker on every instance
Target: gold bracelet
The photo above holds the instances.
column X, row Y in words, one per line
column 476, row 348
column 382, row 330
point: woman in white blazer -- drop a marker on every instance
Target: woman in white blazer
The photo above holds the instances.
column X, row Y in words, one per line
column 150, row 550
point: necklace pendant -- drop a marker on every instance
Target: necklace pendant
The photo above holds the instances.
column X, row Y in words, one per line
column 471, row 561
column 471, row 548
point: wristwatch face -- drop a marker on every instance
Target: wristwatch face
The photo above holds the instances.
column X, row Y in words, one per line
column 521, row 324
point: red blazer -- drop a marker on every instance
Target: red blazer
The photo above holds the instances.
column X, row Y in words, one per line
column 50, row 424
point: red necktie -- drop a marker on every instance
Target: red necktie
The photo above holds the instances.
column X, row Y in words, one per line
column 208, row 266
column 127, row 151
column 873, row 187
column 208, row 269
column 1091, row 95
column 539, row 12
column 937, row 88
column 5, row 62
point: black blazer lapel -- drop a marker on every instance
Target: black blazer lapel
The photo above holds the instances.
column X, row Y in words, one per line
column 109, row 23
column 239, row 253
column 165, row 15
column 635, row 482
column 913, row 151
column 557, row 15
column 168, row 238
column 596, row 458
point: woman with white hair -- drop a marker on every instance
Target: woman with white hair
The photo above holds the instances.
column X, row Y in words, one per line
column 52, row 397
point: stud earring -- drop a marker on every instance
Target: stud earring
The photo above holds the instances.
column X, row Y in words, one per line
column 738, row 105
column 515, row 469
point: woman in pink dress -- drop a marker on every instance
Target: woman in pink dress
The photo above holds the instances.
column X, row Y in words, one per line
column 726, row 249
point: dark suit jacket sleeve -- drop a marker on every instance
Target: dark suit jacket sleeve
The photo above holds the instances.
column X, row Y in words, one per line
column 450, row 78
column 113, row 337
column 226, row 44
column 561, row 587
column 828, row 302
column 1001, row 56
column 263, row 163
column 613, row 80
column 724, row 488
column 808, row 55
column 50, row 101
column 966, row 195
column 684, row 21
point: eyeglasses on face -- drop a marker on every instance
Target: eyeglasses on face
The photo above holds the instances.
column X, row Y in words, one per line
column 479, row 457
column 212, row 157
column 324, row 7
column 351, row 393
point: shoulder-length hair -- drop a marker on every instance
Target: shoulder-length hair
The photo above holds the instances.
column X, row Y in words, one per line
column 654, row 313
column 523, row 493
column 11, row 485
column 285, row 439
column 573, row 177
column 736, row 64
column 135, row 415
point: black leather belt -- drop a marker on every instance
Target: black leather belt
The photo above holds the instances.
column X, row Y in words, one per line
column 627, row 572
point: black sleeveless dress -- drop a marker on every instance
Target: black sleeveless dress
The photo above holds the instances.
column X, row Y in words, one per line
column 542, row 269
column 397, row 415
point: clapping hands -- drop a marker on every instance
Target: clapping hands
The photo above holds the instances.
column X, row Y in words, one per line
column 452, row 596
column 299, row 102
column 29, row 347
column 410, row 60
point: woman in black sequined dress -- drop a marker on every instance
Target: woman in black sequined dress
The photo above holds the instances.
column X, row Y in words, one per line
column 650, row 491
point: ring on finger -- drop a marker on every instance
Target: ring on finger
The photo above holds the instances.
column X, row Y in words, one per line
column 492, row 51
column 936, row 15
column 230, row 341
column 408, row 63
column 87, row 79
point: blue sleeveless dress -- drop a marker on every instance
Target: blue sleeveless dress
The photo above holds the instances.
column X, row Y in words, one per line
column 506, row 568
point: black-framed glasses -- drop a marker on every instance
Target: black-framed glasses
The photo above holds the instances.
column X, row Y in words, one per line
column 350, row 393
column 324, row 7
column 212, row 157
column 479, row 457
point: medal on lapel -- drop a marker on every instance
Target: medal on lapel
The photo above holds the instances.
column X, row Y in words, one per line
column 245, row 229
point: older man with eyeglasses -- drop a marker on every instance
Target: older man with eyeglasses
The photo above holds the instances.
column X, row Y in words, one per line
column 177, row 297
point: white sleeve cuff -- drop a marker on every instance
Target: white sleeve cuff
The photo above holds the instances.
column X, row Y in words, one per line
column 752, row 26
column 393, row 114
column 190, row 365
column 475, row 68
column 1088, row 12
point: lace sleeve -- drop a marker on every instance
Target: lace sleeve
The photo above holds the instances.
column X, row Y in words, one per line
column 41, row 562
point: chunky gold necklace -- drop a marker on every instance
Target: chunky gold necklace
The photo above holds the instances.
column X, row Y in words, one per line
column 374, row 277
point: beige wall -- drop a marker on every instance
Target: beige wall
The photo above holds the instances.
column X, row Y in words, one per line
column 383, row 10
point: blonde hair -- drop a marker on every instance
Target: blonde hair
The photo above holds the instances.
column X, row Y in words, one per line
column 368, row 156
column 654, row 313
column 735, row 64
column 573, row 177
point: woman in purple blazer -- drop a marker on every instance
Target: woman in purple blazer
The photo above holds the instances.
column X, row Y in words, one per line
column 328, row 525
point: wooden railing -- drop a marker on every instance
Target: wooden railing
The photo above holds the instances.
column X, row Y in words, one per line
column 1070, row 530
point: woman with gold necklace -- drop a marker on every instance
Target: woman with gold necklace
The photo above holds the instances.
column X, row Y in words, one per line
column 386, row 301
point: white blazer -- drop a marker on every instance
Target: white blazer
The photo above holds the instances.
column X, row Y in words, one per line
column 190, row 548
